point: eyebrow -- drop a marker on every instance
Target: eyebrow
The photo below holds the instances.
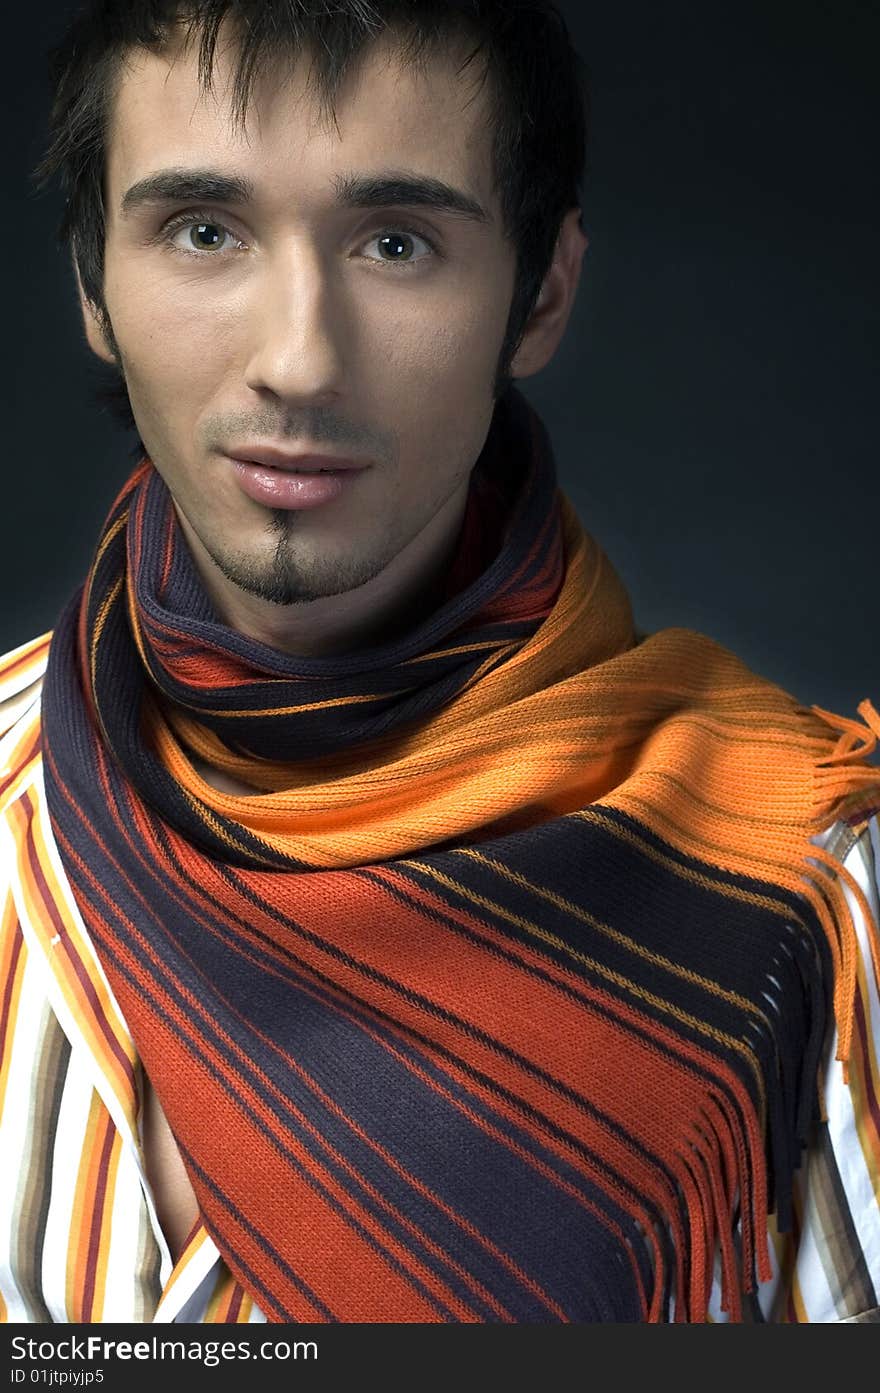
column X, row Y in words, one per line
column 385, row 189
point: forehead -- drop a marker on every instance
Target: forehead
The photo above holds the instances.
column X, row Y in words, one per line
column 428, row 117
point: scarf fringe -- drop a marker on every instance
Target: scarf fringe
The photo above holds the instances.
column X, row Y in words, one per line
column 845, row 788
column 721, row 1193
column 724, row 1179
column 742, row 1193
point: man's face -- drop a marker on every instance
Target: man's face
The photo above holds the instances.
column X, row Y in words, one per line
column 295, row 318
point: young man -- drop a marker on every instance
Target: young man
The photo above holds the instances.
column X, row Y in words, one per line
column 389, row 931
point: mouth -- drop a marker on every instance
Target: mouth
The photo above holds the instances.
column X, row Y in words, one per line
column 286, row 469
column 293, row 485
column 304, row 462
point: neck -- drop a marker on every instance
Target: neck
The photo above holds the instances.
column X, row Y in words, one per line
column 403, row 593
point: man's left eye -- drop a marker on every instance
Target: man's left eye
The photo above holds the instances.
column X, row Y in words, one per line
column 396, row 248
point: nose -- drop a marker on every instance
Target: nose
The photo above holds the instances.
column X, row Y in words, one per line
column 297, row 330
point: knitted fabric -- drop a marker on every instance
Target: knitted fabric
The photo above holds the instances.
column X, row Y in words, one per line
column 503, row 998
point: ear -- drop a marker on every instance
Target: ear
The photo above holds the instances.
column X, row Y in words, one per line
column 548, row 320
column 95, row 335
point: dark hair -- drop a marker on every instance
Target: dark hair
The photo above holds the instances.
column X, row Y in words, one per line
column 537, row 87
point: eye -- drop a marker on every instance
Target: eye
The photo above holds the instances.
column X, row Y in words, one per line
column 194, row 234
column 397, row 247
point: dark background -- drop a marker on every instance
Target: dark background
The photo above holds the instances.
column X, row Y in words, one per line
column 714, row 405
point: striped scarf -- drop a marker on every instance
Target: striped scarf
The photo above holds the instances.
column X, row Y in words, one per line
column 504, row 998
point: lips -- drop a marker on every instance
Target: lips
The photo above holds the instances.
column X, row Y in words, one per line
column 301, row 482
column 305, row 463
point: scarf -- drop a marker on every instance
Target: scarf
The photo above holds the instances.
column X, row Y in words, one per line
column 503, row 998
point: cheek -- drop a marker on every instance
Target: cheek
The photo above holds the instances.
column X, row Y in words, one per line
column 175, row 356
column 451, row 348
column 441, row 403
column 433, row 376
column 163, row 320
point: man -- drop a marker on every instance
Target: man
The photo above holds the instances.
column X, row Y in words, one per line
column 390, row 932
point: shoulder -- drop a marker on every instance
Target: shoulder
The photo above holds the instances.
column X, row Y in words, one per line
column 21, row 679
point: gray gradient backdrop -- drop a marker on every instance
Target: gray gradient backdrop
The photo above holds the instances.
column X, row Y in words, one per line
column 714, row 406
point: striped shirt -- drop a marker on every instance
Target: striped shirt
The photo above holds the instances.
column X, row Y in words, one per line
column 80, row 1240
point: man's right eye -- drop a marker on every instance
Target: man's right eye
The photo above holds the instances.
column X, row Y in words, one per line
column 193, row 234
